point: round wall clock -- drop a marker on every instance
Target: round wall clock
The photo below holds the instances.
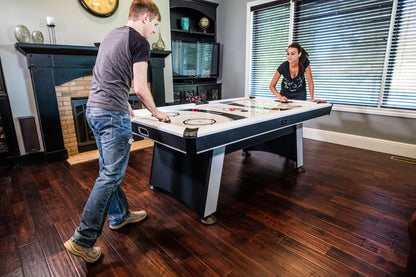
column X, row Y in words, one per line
column 100, row 8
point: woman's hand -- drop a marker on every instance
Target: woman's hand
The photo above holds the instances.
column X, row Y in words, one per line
column 283, row 99
column 318, row 100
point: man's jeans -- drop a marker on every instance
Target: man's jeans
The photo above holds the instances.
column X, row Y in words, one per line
column 112, row 131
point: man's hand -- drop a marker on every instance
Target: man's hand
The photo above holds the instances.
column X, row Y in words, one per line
column 161, row 116
column 131, row 111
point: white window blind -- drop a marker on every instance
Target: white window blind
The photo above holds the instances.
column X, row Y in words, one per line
column 269, row 43
column 346, row 42
column 400, row 88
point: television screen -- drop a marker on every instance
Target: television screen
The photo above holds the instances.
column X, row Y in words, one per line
column 195, row 59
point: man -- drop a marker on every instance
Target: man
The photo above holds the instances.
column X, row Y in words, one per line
column 123, row 55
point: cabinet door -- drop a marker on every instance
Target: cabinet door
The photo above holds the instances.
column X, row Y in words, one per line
column 177, row 94
column 183, row 93
column 209, row 92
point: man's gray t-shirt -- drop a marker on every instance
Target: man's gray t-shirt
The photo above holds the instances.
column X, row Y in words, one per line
column 113, row 70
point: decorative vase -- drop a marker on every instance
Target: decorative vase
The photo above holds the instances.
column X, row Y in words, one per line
column 159, row 44
column 185, row 23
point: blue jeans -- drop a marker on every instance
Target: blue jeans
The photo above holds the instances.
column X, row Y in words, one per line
column 112, row 131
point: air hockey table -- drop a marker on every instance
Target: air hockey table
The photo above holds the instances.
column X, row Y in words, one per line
column 189, row 151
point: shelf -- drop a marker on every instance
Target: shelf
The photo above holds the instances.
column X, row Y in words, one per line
column 193, row 33
column 57, row 49
column 193, row 80
column 194, row 10
column 34, row 48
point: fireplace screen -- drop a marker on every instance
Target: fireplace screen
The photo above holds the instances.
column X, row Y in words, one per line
column 85, row 136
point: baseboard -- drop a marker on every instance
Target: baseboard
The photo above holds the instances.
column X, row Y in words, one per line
column 373, row 144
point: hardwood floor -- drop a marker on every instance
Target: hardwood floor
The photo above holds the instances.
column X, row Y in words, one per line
column 347, row 215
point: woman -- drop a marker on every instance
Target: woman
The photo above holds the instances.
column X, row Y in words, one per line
column 293, row 72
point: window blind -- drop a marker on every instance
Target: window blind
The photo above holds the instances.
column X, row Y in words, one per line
column 346, row 42
column 400, row 87
column 269, row 43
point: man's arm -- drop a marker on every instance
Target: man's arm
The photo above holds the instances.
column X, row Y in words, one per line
column 143, row 92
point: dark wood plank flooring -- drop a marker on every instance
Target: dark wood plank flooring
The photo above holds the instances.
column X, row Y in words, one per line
column 347, row 215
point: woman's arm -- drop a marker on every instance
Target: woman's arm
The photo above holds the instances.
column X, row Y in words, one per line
column 308, row 72
column 273, row 89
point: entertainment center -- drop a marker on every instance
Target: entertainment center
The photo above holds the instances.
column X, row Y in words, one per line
column 195, row 52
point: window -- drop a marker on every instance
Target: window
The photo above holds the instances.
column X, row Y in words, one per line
column 346, row 42
column 269, row 43
column 360, row 54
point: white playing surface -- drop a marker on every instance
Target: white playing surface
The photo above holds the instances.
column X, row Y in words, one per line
column 204, row 115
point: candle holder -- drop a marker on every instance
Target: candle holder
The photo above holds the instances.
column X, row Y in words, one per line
column 51, row 30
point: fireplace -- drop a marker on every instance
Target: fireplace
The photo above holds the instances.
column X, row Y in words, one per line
column 72, row 98
column 51, row 66
column 84, row 135
column 85, row 140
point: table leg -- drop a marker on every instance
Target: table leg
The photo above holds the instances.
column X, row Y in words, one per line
column 287, row 142
column 299, row 148
column 195, row 180
column 214, row 183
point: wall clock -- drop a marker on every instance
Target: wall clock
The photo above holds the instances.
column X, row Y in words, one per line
column 100, row 8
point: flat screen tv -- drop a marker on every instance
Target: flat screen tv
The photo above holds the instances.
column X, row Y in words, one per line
column 195, row 59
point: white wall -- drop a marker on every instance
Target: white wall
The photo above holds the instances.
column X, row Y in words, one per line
column 231, row 34
column 74, row 26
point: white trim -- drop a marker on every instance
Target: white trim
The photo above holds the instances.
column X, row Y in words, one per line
column 291, row 21
column 374, row 110
column 373, row 144
column 249, row 42
column 387, row 54
column 258, row 2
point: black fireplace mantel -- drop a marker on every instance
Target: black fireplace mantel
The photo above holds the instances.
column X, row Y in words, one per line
column 52, row 65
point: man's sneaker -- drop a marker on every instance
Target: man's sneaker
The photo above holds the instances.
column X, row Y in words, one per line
column 89, row 254
column 133, row 217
